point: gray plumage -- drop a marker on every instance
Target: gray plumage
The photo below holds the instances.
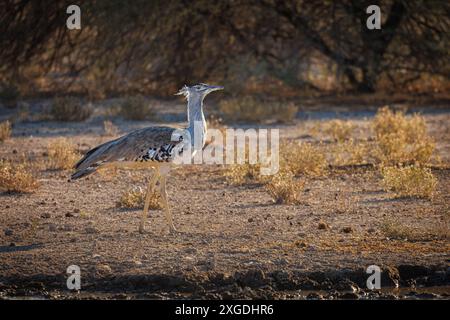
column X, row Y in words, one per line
column 148, row 144
column 154, row 144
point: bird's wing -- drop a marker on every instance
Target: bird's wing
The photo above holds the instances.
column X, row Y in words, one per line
column 141, row 145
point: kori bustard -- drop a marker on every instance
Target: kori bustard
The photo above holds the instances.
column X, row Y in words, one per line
column 152, row 147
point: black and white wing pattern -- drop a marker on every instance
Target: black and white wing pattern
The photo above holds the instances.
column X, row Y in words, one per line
column 149, row 144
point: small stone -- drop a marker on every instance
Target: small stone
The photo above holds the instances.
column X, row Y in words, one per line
column 190, row 250
column 103, row 269
column 76, row 210
column 349, row 296
column 67, row 227
column 8, row 232
column 371, row 230
column 323, row 226
column 69, row 215
column 427, row 295
column 301, row 244
column 314, row 296
column 46, row 215
column 12, row 244
column 250, row 220
column 347, row 230
column 281, row 261
column 91, row 230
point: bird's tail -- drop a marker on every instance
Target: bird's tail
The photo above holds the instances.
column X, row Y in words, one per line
column 91, row 161
column 82, row 173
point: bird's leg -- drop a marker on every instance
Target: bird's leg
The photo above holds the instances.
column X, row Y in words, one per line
column 163, row 193
column 150, row 188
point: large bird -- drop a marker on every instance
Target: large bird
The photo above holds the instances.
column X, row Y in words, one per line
column 152, row 147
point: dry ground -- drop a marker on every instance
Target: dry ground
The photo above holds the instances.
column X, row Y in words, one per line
column 225, row 231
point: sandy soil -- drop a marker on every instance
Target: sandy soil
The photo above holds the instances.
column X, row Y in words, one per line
column 233, row 240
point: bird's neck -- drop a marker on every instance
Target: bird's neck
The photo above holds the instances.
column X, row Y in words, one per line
column 196, row 118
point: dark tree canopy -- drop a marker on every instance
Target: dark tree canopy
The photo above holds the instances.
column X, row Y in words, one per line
column 156, row 46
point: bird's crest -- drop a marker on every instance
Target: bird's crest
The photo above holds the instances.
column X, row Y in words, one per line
column 183, row 91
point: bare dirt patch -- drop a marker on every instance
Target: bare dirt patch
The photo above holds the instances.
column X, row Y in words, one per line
column 234, row 241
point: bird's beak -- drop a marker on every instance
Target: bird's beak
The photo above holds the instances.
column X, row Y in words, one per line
column 215, row 88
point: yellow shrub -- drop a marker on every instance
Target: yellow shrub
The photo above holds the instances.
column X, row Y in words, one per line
column 61, row 154
column 339, row 130
column 5, row 130
column 410, row 181
column 349, row 152
column 401, row 140
column 239, row 174
column 303, row 158
column 283, row 188
column 395, row 229
column 135, row 199
column 109, row 128
column 16, row 178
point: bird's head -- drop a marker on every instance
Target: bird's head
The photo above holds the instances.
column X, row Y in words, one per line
column 198, row 90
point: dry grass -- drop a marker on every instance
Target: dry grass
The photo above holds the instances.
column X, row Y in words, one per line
column 284, row 188
column 401, row 139
column 69, row 109
column 396, row 230
column 62, row 154
column 303, row 159
column 16, row 178
column 349, row 152
column 137, row 108
column 5, row 130
column 339, row 130
column 392, row 229
column 109, row 129
column 249, row 109
column 410, row 181
column 240, row 174
column 135, row 199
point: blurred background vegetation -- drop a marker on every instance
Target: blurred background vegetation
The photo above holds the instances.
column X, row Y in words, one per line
column 266, row 47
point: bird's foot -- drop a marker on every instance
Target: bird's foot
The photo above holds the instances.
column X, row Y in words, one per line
column 172, row 229
column 141, row 229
